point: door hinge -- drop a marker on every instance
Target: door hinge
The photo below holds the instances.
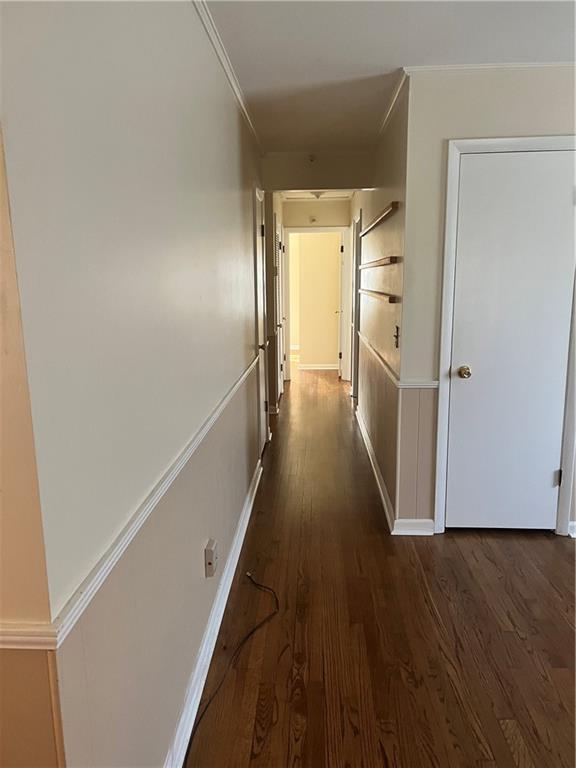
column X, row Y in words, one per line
column 281, row 366
column 339, row 355
column 262, row 231
column 284, row 357
column 559, row 476
column 266, row 405
column 341, row 249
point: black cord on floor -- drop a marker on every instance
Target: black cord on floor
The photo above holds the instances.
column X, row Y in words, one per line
column 234, row 656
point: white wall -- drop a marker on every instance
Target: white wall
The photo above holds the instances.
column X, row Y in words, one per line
column 130, row 174
column 326, row 170
column 316, row 213
column 474, row 103
column 379, row 360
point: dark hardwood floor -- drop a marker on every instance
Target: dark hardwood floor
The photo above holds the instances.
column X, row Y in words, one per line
column 453, row 650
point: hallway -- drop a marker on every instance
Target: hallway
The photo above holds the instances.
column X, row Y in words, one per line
column 453, row 650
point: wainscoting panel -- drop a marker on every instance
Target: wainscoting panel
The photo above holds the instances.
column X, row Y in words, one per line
column 417, row 453
column 378, row 407
column 125, row 666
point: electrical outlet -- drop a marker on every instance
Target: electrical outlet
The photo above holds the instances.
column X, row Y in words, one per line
column 210, row 558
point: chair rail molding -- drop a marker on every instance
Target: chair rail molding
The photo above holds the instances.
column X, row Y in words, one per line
column 51, row 635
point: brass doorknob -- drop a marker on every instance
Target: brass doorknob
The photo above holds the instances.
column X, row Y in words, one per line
column 464, row 372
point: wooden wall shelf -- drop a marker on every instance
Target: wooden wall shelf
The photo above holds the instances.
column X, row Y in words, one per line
column 385, row 262
column 388, row 211
column 391, row 298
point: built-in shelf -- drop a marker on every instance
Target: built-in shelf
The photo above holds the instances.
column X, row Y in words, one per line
column 391, row 298
column 385, row 262
column 388, row 211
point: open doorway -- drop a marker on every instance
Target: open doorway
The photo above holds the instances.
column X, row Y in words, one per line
column 314, row 294
column 309, row 262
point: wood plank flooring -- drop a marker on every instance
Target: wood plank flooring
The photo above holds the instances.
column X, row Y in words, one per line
column 434, row 652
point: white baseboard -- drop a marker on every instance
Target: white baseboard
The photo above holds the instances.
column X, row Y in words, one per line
column 177, row 752
column 403, row 527
column 413, row 527
column 318, row 367
column 386, row 502
column 572, row 529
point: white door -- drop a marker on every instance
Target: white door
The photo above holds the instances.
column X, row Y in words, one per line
column 260, row 277
column 512, row 307
column 278, row 307
column 345, row 307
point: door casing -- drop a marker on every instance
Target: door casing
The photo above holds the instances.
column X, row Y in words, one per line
column 346, row 240
column 456, row 148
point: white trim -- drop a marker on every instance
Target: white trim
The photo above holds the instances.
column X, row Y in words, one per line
column 456, row 148
column 572, row 529
column 28, row 636
column 564, row 143
column 383, row 491
column 398, row 383
column 397, row 527
column 413, row 527
column 214, row 36
column 393, row 100
column 52, row 635
column 457, row 67
column 318, row 367
column 569, row 434
column 177, row 751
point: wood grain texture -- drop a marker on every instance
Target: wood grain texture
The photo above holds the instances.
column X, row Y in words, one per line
column 453, row 651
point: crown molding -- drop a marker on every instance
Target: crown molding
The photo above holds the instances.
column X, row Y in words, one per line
column 457, row 67
column 396, row 93
column 211, row 30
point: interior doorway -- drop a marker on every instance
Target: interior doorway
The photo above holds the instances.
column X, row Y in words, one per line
column 317, row 284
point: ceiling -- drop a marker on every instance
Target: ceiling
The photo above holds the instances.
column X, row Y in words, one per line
column 319, row 74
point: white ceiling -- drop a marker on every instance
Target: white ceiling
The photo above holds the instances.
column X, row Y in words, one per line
column 319, row 74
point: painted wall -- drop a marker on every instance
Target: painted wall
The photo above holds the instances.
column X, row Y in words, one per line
column 379, row 358
column 435, row 106
column 131, row 179
column 326, row 170
column 319, row 255
column 294, row 284
column 316, row 213
column 138, row 640
column 480, row 103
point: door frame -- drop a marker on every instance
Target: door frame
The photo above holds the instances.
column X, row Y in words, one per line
column 260, row 242
column 354, row 319
column 345, row 241
column 457, row 148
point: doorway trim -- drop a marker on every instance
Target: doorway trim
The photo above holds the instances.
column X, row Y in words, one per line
column 456, row 148
column 346, row 242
